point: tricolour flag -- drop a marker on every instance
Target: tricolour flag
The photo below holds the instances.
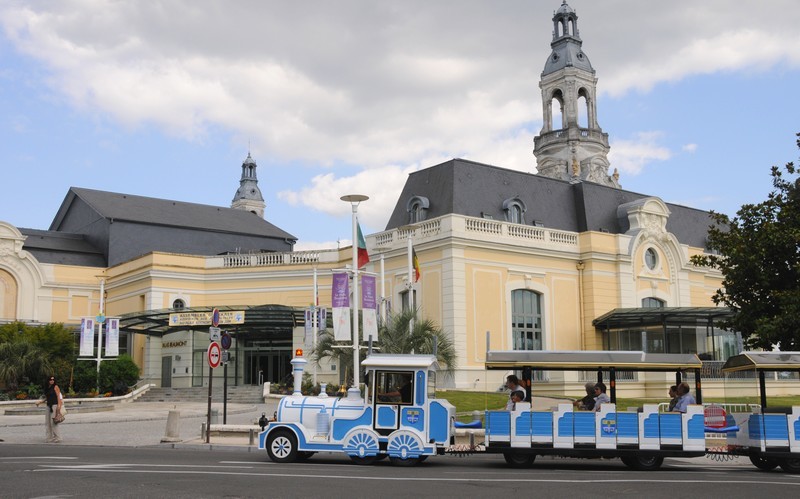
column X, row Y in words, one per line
column 363, row 256
column 415, row 263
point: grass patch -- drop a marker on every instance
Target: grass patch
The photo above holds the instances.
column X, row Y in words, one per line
column 474, row 401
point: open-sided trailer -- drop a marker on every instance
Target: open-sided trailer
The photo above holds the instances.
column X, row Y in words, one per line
column 769, row 436
column 641, row 439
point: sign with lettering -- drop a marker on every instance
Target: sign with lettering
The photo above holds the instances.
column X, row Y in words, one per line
column 204, row 318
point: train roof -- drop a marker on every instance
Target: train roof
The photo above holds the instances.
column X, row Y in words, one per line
column 401, row 361
column 590, row 360
column 768, row 361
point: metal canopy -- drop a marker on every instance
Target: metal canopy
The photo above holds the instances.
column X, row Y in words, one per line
column 591, row 360
column 385, row 360
column 766, row 361
column 637, row 317
column 267, row 319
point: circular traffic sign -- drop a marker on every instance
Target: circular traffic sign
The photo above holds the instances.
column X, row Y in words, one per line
column 215, row 317
column 225, row 340
column 214, row 355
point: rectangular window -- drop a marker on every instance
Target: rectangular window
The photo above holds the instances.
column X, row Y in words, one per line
column 404, row 300
column 394, row 387
column 526, row 320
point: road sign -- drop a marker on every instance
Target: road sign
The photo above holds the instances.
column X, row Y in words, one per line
column 214, row 355
column 225, row 340
column 214, row 333
column 226, row 356
column 215, row 317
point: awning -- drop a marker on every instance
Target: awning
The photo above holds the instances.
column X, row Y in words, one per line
column 591, row 360
column 621, row 318
column 766, row 361
column 268, row 319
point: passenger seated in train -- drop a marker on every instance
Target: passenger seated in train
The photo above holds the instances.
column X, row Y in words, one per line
column 513, row 384
column 587, row 402
column 673, row 397
column 401, row 393
column 516, row 397
column 600, row 396
column 685, row 398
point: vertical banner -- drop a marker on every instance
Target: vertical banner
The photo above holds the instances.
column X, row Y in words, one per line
column 369, row 305
column 87, row 337
column 340, row 300
column 308, row 338
column 112, row 337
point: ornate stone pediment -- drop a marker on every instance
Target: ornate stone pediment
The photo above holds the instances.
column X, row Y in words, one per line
column 647, row 216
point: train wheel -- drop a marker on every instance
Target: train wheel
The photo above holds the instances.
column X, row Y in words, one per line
column 643, row 463
column 282, row 446
column 516, row 460
column 764, row 463
column 790, row 465
column 304, row 456
column 364, row 461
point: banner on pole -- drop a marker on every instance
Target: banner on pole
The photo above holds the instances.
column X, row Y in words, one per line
column 308, row 338
column 340, row 300
column 369, row 305
column 112, row 337
column 87, row 337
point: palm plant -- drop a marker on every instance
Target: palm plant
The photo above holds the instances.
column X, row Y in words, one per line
column 395, row 336
column 21, row 361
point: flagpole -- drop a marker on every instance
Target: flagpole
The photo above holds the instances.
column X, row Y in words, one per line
column 314, row 322
column 354, row 200
column 383, row 294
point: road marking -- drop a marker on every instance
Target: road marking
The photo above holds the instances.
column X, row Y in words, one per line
column 417, row 479
column 38, row 457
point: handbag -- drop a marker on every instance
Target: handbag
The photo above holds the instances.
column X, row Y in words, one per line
column 59, row 417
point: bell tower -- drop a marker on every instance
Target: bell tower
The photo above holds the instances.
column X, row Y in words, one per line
column 571, row 145
column 248, row 196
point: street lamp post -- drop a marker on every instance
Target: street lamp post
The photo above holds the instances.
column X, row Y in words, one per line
column 354, row 200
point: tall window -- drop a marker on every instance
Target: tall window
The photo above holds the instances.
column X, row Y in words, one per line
column 417, row 208
column 404, row 300
column 652, row 303
column 526, row 320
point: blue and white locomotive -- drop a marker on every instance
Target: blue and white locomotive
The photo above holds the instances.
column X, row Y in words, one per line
column 398, row 418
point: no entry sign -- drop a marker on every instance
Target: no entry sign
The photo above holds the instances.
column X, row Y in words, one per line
column 214, row 355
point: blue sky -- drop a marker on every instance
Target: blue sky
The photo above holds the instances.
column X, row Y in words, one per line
column 165, row 99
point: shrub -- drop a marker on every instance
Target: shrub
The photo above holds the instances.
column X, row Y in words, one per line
column 22, row 396
column 84, row 376
column 4, row 397
column 117, row 375
column 33, row 391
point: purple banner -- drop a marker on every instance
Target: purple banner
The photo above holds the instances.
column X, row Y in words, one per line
column 340, row 297
column 369, row 300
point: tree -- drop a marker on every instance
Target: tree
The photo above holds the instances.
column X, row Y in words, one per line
column 117, row 375
column 394, row 338
column 53, row 339
column 759, row 257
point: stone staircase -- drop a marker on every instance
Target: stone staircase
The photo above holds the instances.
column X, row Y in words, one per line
column 247, row 394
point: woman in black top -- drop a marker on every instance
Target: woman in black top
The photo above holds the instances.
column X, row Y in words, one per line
column 52, row 396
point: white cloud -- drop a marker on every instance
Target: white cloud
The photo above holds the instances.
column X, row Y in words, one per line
column 631, row 156
column 690, row 148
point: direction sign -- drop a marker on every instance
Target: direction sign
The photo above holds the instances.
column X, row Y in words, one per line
column 215, row 317
column 225, row 340
column 214, row 355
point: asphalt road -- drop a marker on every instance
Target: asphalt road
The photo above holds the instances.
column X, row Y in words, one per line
column 28, row 471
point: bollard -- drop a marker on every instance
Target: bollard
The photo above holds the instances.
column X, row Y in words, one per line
column 172, row 433
column 472, row 440
column 252, row 436
column 203, row 430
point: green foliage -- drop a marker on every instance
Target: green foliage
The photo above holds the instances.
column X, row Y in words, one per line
column 117, row 375
column 84, row 376
column 394, row 338
column 33, row 390
column 55, row 340
column 759, row 257
column 21, row 362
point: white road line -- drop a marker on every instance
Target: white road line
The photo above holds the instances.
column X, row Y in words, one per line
column 423, row 479
column 37, row 457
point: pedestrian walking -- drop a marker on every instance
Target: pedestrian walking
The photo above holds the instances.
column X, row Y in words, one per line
column 55, row 405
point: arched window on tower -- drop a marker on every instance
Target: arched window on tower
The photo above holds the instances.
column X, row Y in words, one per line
column 514, row 209
column 417, row 208
column 557, row 111
column 583, row 108
column 526, row 320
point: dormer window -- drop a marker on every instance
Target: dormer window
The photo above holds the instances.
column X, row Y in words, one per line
column 514, row 209
column 178, row 304
column 417, row 208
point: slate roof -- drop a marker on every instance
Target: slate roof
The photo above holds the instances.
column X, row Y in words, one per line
column 147, row 210
column 464, row 187
column 62, row 248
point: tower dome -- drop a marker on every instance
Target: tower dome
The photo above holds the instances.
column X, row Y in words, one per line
column 248, row 196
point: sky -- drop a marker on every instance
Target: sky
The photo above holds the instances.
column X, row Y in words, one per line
column 166, row 98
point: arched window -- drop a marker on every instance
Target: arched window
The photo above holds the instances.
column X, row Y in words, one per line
column 526, row 320
column 652, row 303
column 178, row 304
column 417, row 208
column 583, row 108
column 557, row 111
column 515, row 210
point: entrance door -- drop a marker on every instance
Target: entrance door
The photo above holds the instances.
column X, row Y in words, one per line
column 271, row 366
column 166, row 372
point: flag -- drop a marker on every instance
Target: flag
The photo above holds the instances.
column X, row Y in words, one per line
column 415, row 263
column 363, row 256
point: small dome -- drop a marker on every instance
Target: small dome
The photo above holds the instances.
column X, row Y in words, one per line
column 249, row 160
column 565, row 9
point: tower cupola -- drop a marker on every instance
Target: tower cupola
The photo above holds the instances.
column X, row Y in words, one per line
column 248, row 196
